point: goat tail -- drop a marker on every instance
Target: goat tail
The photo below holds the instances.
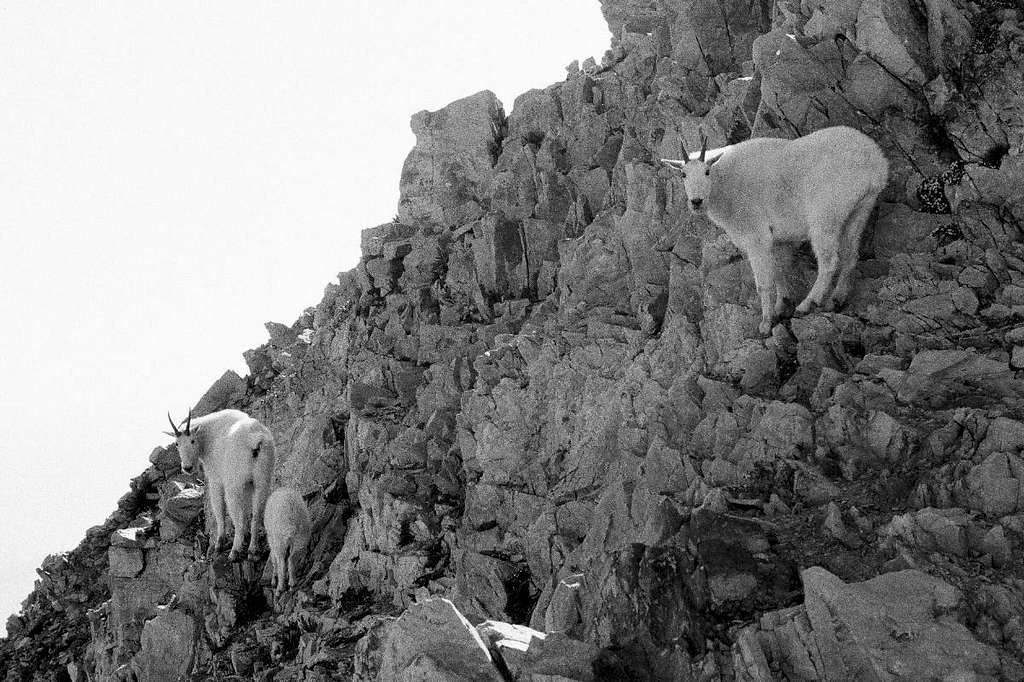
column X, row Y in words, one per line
column 265, row 448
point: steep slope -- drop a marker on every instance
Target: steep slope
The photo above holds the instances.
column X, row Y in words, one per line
column 542, row 396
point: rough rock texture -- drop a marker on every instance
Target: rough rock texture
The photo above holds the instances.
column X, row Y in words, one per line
column 900, row 625
column 541, row 396
column 433, row 636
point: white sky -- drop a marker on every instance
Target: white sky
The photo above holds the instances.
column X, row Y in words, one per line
column 175, row 174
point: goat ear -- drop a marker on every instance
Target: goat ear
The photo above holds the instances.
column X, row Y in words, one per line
column 195, row 429
column 172, row 435
column 712, row 161
column 676, row 164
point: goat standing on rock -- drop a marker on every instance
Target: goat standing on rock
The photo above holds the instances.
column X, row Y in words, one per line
column 237, row 452
column 820, row 187
column 288, row 530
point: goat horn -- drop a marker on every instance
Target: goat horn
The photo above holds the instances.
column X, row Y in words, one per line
column 682, row 147
column 188, row 424
column 173, row 426
column 703, row 144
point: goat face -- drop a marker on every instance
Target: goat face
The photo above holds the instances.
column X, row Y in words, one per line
column 187, row 442
column 696, row 174
column 188, row 450
column 696, row 181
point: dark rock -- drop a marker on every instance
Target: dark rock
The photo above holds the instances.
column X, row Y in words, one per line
column 897, row 625
column 433, row 641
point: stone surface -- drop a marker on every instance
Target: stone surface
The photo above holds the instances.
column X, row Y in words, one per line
column 168, row 647
column 446, row 175
column 433, row 641
column 897, row 626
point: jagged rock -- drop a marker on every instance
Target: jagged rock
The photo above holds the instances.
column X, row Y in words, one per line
column 637, row 601
column 432, row 640
column 224, row 393
column 509, row 255
column 891, row 34
column 912, row 236
column 595, row 270
column 930, row 530
column 125, row 554
column 998, row 546
column 861, row 439
column 168, row 647
column 556, row 657
column 949, row 34
column 181, row 502
column 633, row 16
column 484, row 585
column 1003, row 435
column 797, row 84
column 833, row 17
column 712, row 38
column 897, row 626
column 937, row 377
column 447, row 174
column 287, row 346
column 996, row 486
column 166, row 459
column 992, row 121
column 836, row 527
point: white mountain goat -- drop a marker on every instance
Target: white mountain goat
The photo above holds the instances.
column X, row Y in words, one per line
column 237, row 453
column 288, row 529
column 820, row 187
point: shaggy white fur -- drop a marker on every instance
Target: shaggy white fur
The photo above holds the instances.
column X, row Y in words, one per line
column 237, row 453
column 288, row 528
column 820, row 187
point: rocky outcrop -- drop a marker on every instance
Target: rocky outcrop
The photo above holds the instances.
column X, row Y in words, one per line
column 901, row 625
column 541, row 437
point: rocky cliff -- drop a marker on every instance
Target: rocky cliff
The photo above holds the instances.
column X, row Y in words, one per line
column 541, row 438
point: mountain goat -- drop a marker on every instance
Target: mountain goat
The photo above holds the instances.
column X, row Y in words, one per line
column 820, row 187
column 237, row 453
column 288, row 528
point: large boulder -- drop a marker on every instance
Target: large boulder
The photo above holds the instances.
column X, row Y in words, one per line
column 898, row 626
column 168, row 647
column 448, row 172
column 433, row 641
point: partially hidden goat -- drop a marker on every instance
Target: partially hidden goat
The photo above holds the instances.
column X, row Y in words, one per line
column 288, row 529
column 820, row 187
column 237, row 453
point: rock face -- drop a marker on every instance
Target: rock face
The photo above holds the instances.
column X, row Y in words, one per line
column 899, row 625
column 541, row 438
column 432, row 640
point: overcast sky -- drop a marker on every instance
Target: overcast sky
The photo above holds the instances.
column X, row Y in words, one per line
column 175, row 174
